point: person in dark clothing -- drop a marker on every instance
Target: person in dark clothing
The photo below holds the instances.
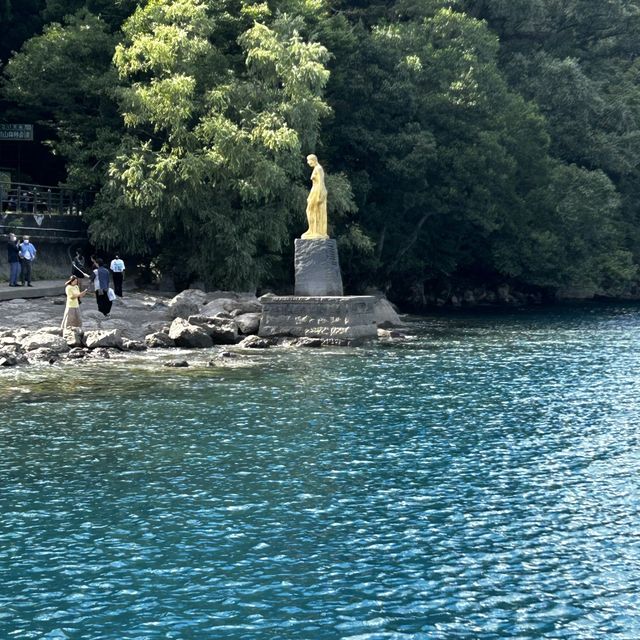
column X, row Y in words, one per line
column 117, row 269
column 101, row 286
column 13, row 257
column 77, row 266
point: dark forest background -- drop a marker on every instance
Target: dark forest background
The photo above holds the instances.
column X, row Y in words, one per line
column 471, row 146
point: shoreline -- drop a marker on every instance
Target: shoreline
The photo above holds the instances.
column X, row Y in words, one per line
column 30, row 327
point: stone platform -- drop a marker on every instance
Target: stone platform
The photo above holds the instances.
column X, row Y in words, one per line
column 40, row 289
column 339, row 318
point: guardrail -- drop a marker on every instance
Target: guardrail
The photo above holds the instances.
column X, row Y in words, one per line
column 20, row 197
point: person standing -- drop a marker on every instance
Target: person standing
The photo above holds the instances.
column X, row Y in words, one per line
column 77, row 266
column 13, row 257
column 72, row 317
column 101, row 286
column 27, row 256
column 117, row 268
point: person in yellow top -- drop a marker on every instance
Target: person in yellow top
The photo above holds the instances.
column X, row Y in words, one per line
column 72, row 316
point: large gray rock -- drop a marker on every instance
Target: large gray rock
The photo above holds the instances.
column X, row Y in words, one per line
column 248, row 323
column 133, row 345
column 186, row 303
column 107, row 339
column 48, row 341
column 188, row 335
column 317, row 268
column 216, row 307
column 385, row 315
column 220, row 330
column 158, row 340
column 73, row 336
column 254, row 342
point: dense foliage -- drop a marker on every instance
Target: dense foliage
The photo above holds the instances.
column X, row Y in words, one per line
column 467, row 142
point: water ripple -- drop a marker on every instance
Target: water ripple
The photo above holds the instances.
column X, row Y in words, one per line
column 480, row 481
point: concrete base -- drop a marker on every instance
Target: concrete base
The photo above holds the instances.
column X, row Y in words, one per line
column 317, row 268
column 339, row 318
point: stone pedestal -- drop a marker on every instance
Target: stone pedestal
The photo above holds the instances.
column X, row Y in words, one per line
column 340, row 319
column 317, row 268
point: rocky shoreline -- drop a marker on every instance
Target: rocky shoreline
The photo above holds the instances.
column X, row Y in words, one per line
column 194, row 319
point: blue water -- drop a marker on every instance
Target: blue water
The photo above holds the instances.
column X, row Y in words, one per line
column 478, row 481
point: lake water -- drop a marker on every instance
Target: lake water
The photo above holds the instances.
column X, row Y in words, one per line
column 478, row 481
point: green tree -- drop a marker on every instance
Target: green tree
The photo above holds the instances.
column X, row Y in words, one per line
column 441, row 155
column 222, row 101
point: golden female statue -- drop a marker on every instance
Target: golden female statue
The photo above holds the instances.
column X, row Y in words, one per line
column 316, row 203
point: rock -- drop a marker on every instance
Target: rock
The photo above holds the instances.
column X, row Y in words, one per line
column 49, row 341
column 254, row 342
column 220, row 330
column 385, row 315
column 54, row 331
column 76, row 353
column 74, row 337
column 133, row 345
column 158, row 340
column 188, row 335
column 59, row 301
column 177, row 363
column 108, row 339
column 391, row 334
column 215, row 307
column 8, row 360
column 100, row 352
column 186, row 303
column 248, row 323
column 43, row 355
column 307, row 342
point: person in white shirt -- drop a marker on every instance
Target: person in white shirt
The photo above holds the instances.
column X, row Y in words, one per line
column 117, row 268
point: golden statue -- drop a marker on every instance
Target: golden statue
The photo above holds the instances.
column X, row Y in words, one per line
column 316, row 203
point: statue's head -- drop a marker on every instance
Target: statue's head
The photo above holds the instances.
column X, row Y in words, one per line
column 312, row 160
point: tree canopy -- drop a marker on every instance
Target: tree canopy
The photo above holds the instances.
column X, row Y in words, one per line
column 465, row 141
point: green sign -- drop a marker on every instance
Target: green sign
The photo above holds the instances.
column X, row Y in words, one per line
column 16, row 132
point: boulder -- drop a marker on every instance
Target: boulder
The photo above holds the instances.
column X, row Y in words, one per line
column 215, row 307
column 73, row 336
column 254, row 342
column 186, row 303
column 43, row 355
column 55, row 331
column 159, row 339
column 105, row 339
column 8, row 360
column 385, row 315
column 76, row 353
column 188, row 335
column 248, row 323
column 390, row 334
column 49, row 341
column 133, row 345
column 220, row 330
column 176, row 363
column 100, row 352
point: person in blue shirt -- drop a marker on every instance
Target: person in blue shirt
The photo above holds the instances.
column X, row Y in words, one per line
column 27, row 256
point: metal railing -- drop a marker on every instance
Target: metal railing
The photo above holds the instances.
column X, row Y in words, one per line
column 20, row 197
